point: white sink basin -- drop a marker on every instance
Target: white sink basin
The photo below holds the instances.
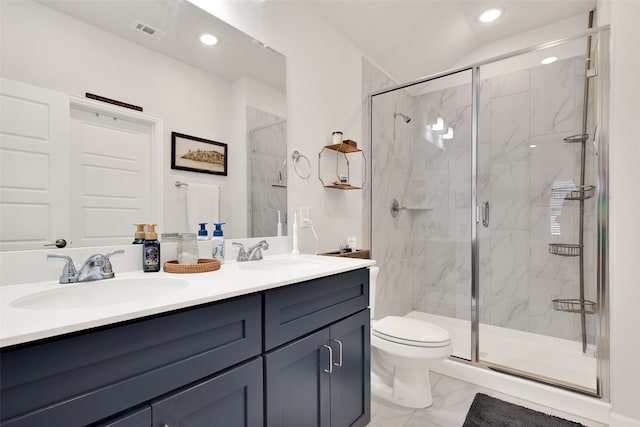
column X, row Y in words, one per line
column 288, row 264
column 98, row 293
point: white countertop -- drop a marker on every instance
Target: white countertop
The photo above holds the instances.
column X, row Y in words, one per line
column 21, row 325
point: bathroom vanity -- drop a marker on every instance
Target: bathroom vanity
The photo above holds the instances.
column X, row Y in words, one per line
column 295, row 352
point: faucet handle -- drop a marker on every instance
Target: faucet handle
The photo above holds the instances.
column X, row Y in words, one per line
column 241, row 252
column 107, row 269
column 69, row 272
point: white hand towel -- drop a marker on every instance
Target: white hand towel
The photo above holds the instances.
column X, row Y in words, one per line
column 202, row 205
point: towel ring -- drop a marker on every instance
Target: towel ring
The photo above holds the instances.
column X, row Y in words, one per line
column 296, row 156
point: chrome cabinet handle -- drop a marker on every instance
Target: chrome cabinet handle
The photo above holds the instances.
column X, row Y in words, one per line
column 485, row 214
column 330, row 370
column 339, row 364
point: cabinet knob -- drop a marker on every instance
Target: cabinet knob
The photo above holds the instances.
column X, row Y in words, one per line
column 330, row 370
column 339, row 364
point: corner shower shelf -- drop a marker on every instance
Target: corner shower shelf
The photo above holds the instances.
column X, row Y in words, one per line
column 565, row 249
column 579, row 192
column 574, row 306
column 576, row 138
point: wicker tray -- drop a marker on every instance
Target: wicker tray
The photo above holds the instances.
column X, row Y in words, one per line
column 359, row 253
column 203, row 265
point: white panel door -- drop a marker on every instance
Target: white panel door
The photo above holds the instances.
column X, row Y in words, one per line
column 110, row 177
column 34, row 166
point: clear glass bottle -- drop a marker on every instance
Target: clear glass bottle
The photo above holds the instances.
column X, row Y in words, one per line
column 187, row 248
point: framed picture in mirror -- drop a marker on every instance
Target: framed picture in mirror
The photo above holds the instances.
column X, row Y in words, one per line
column 194, row 154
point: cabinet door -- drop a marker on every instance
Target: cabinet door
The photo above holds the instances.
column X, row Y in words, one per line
column 231, row 399
column 350, row 380
column 296, row 386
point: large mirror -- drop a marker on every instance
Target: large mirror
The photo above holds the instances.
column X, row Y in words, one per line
column 147, row 54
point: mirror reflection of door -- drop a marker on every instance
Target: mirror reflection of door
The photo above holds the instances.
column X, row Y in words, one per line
column 110, row 177
column 69, row 173
column 267, row 172
column 34, row 166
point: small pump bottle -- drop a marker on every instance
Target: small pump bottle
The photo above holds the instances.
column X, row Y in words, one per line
column 151, row 250
column 202, row 233
column 217, row 247
column 138, row 239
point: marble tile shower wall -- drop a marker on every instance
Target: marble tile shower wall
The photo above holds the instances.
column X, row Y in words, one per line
column 426, row 250
column 391, row 237
column 267, row 175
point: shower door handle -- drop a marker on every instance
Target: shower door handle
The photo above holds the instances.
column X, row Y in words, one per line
column 485, row 214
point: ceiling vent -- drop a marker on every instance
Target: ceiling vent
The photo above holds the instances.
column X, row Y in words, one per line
column 148, row 30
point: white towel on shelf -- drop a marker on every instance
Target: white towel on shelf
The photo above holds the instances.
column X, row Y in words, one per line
column 202, row 205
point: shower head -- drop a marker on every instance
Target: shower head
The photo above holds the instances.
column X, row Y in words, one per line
column 406, row 118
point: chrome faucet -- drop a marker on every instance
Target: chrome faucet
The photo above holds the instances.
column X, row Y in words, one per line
column 254, row 253
column 96, row 267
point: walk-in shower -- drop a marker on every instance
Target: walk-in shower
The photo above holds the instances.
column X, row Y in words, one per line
column 488, row 209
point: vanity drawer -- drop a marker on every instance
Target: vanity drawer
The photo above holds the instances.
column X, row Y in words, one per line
column 79, row 379
column 293, row 311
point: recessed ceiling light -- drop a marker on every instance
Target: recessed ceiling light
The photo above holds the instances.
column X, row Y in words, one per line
column 549, row 60
column 208, row 39
column 489, row 15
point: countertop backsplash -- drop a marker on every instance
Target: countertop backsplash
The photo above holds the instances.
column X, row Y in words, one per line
column 18, row 267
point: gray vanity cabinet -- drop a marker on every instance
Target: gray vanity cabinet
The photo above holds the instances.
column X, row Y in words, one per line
column 84, row 378
column 309, row 385
column 251, row 361
column 323, row 378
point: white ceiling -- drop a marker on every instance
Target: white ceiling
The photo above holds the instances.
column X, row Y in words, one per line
column 236, row 55
column 411, row 39
column 406, row 38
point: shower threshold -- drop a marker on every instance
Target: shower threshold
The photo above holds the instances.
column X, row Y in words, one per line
column 541, row 358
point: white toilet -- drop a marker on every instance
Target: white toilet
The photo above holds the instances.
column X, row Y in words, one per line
column 401, row 350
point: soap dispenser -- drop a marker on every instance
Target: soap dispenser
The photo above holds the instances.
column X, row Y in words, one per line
column 202, row 233
column 217, row 250
column 151, row 250
column 138, row 239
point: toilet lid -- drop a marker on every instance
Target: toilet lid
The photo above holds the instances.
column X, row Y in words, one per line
column 411, row 331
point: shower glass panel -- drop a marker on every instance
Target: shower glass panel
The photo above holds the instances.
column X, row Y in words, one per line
column 421, row 203
column 537, row 240
column 267, row 172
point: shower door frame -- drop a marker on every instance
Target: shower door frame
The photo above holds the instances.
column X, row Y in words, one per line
column 602, row 120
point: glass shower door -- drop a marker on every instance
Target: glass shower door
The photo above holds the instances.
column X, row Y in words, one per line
column 421, row 203
column 537, row 224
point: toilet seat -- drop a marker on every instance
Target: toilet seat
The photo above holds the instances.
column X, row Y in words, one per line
column 410, row 332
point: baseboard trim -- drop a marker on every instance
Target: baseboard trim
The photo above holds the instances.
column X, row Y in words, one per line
column 618, row 420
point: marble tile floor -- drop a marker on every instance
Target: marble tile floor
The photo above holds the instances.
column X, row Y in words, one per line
column 451, row 401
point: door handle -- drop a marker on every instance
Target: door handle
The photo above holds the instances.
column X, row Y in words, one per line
column 339, row 364
column 485, row 214
column 60, row 243
column 330, row 370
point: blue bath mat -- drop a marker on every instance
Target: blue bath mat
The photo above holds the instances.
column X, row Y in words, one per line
column 487, row 411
